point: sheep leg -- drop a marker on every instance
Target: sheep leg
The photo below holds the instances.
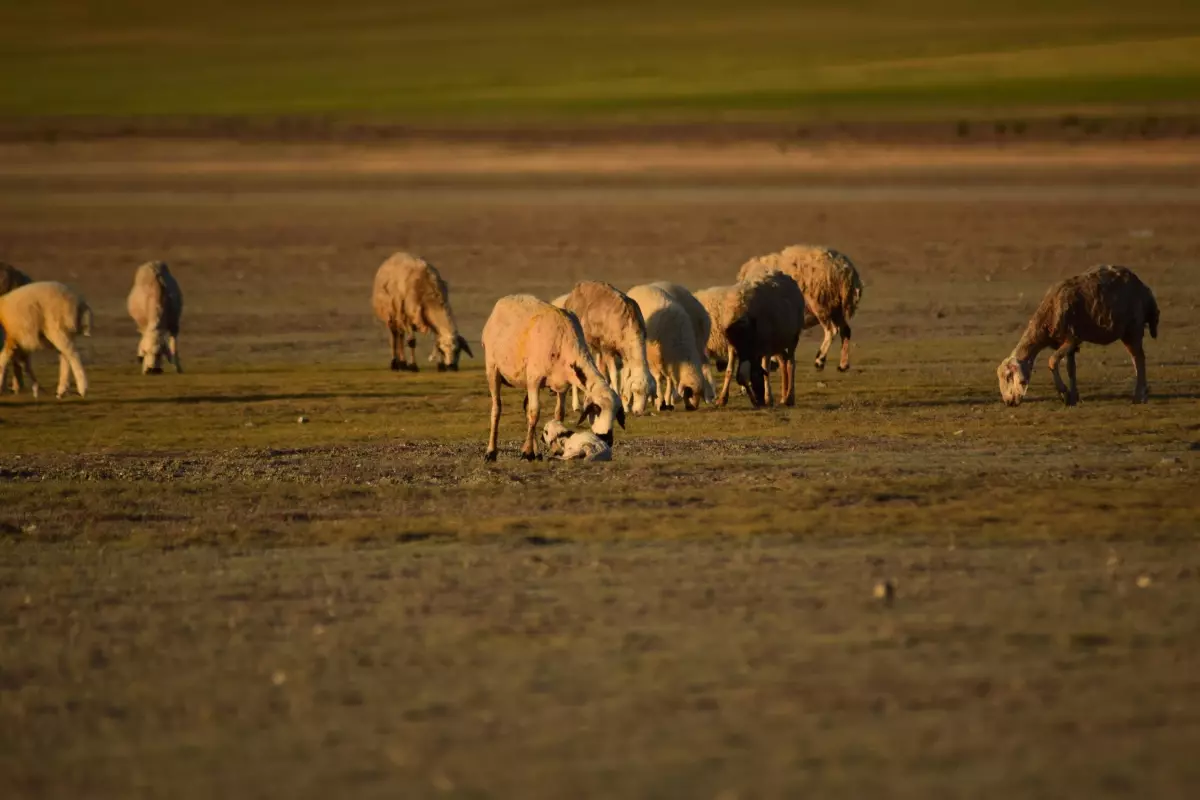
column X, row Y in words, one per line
column 710, row 392
column 16, row 358
column 560, row 403
column 173, row 349
column 1063, row 390
column 730, row 368
column 844, row 331
column 398, row 363
column 23, row 361
column 18, row 378
column 823, row 350
column 412, row 345
column 788, row 381
column 529, row 449
column 1072, row 385
column 494, row 389
column 574, row 403
column 1141, row 392
column 766, row 368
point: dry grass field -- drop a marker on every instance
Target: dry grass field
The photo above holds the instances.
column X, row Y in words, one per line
column 198, row 595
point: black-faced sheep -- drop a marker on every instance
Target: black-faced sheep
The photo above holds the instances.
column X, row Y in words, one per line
column 831, row 289
column 615, row 330
column 533, row 344
column 44, row 312
column 410, row 297
column 1101, row 306
column 675, row 362
column 156, row 305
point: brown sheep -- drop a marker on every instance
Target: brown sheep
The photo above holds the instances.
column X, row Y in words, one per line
column 763, row 319
column 831, row 288
column 1100, row 306
column 532, row 344
column 410, row 297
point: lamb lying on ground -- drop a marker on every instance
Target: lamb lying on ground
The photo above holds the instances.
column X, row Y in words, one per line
column 1100, row 306
column 44, row 312
column 566, row 445
column 532, row 344
column 156, row 305
column 410, row 297
column 831, row 289
column 615, row 331
column 676, row 364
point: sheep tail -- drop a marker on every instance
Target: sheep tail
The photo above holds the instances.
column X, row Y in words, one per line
column 83, row 321
column 1152, row 316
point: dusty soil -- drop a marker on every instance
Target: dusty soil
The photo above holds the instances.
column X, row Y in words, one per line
column 199, row 595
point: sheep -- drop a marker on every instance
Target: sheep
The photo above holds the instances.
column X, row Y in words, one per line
column 410, row 297
column 44, row 312
column 754, row 321
column 530, row 343
column 831, row 289
column 566, row 445
column 11, row 278
column 1102, row 305
column 156, row 304
column 615, row 332
column 701, row 323
column 675, row 362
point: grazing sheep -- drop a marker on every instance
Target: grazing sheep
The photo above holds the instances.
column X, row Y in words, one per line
column 762, row 319
column 831, row 289
column 156, row 305
column 11, row 278
column 566, row 445
column 44, row 312
column 675, row 362
column 1100, row 306
column 701, row 323
column 530, row 343
column 410, row 297
column 615, row 332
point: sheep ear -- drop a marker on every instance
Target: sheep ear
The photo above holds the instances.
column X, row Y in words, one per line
column 589, row 413
column 621, row 415
column 466, row 348
column 579, row 373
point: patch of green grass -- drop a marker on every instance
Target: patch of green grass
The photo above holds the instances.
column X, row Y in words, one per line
column 483, row 60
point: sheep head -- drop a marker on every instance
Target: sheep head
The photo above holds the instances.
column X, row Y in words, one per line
column 602, row 408
column 150, row 351
column 448, row 350
column 637, row 389
column 1013, row 375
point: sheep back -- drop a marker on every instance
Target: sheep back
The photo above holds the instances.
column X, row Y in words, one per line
column 42, row 309
column 156, row 301
column 697, row 313
column 1099, row 306
column 827, row 279
column 408, row 293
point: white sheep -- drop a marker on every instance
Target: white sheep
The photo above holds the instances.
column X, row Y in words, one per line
column 156, row 305
column 410, row 297
column 701, row 323
column 567, row 445
column 615, row 332
column 675, row 362
column 11, row 278
column 753, row 322
column 532, row 344
column 44, row 312
column 1101, row 306
column 831, row 289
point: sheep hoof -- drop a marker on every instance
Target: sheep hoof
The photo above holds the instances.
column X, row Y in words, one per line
column 819, row 364
column 527, row 456
column 155, row 371
column 490, row 455
column 398, row 365
column 413, row 368
column 453, row 367
column 843, row 367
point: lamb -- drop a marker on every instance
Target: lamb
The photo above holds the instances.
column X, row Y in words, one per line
column 615, row 332
column 1102, row 305
column 701, row 323
column 761, row 319
column 156, row 305
column 831, row 289
column 410, row 297
column 44, row 312
column 11, row 278
column 530, row 343
column 566, row 445
column 675, row 362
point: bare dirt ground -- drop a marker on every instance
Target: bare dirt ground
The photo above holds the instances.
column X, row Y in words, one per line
column 199, row 595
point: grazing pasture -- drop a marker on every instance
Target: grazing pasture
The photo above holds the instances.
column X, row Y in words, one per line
column 200, row 594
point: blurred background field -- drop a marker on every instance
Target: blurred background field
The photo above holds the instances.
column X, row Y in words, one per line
column 484, row 60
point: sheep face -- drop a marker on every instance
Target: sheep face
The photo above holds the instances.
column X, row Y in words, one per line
column 603, row 408
column 1014, row 380
column 637, row 389
column 448, row 350
column 151, row 350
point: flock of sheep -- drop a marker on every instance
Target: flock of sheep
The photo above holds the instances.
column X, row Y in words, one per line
column 613, row 351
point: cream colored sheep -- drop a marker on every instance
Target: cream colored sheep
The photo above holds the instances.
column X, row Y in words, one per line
column 701, row 323
column 831, row 289
column 615, row 332
column 675, row 362
column 44, row 312
column 1101, row 306
column 410, row 297
column 567, row 445
column 718, row 302
column 156, row 305
column 532, row 344
column 11, row 278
